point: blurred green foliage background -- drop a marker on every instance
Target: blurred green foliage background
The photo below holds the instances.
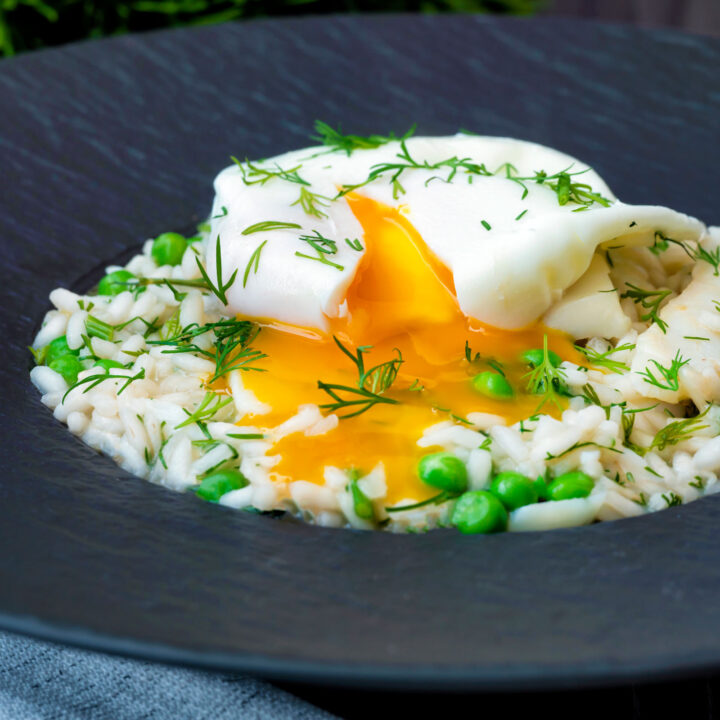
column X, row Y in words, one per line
column 31, row 24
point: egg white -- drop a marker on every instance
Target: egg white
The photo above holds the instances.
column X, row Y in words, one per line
column 508, row 270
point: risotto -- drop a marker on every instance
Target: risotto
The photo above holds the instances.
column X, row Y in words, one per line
column 404, row 334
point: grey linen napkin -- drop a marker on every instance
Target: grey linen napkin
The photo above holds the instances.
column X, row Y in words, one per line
column 40, row 680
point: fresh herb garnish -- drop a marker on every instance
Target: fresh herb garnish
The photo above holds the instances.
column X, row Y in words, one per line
column 434, row 500
column 371, row 384
column 268, row 225
column 94, row 380
column 312, row 202
column 605, row 359
column 677, row 431
column 650, row 300
column 211, row 404
column 668, row 379
column 253, row 262
column 99, row 329
column 322, row 246
column 355, row 244
column 337, row 142
column 546, row 379
column 254, row 174
column 672, row 499
column 221, row 288
column 231, row 347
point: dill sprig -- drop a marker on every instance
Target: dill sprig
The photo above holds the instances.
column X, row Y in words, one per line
column 361, row 502
column 434, row 500
column 231, row 347
column 672, row 499
column 605, row 359
column 546, row 379
column 335, row 141
column 711, row 257
column 651, row 301
column 698, row 253
column 95, row 379
column 268, row 225
column 253, row 262
column 561, row 183
column 99, row 328
column 312, row 202
column 371, row 384
column 675, row 432
column 254, row 174
column 211, row 404
column 668, row 376
column 322, row 246
column 221, row 288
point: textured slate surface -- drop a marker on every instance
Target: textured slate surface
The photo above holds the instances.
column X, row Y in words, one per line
column 105, row 143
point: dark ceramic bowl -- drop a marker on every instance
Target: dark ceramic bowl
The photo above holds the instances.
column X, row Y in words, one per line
column 106, row 143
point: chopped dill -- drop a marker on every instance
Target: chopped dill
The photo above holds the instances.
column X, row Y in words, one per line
column 95, row 379
column 677, row 431
column 231, row 347
column 253, row 262
column 221, row 289
column 650, row 300
column 312, row 202
column 371, row 384
column 211, row 404
column 546, row 379
column 605, row 359
column 322, row 246
column 434, row 500
column 672, row 499
column 337, row 142
column 668, row 376
column 254, row 174
column 268, row 225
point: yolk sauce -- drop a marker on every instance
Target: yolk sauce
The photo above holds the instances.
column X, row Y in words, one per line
column 401, row 297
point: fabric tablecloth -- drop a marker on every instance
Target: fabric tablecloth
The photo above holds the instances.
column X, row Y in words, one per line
column 40, row 680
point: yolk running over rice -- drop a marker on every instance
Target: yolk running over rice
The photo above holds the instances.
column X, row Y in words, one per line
column 401, row 297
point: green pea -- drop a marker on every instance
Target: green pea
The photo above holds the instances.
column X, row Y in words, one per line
column 114, row 283
column 575, row 484
column 108, row 364
column 58, row 348
column 443, row 470
column 514, row 490
column 541, row 487
column 361, row 502
column 493, row 385
column 214, row 486
column 535, row 357
column 169, row 248
column 68, row 366
column 479, row 511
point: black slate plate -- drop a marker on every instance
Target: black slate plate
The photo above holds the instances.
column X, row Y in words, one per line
column 106, row 143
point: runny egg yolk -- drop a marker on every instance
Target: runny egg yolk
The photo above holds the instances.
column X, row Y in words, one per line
column 402, row 297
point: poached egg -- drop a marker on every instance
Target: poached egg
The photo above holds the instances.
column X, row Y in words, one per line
column 453, row 254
